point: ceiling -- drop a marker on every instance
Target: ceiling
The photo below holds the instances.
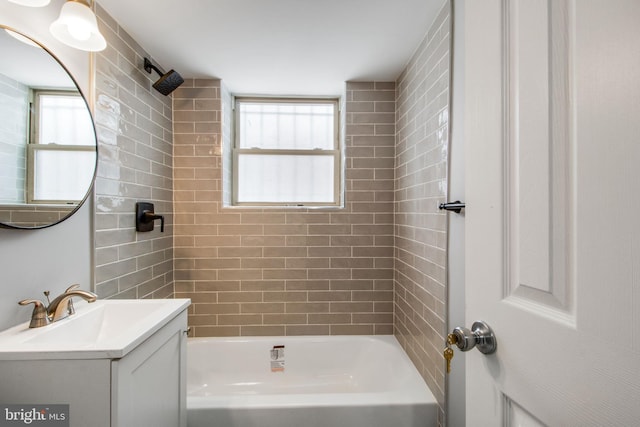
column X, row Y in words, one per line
column 287, row 47
column 36, row 67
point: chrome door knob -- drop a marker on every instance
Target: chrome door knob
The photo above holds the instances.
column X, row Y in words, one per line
column 481, row 336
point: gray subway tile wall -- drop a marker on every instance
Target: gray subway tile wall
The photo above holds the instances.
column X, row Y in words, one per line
column 378, row 266
column 422, row 101
column 135, row 155
column 33, row 216
column 283, row 271
column 14, row 102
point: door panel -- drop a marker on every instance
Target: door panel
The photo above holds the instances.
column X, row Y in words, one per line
column 539, row 149
column 553, row 190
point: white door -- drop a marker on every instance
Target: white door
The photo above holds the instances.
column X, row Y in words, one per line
column 552, row 128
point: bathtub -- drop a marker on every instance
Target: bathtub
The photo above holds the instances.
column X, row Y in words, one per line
column 313, row 381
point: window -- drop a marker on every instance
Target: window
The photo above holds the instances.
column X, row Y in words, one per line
column 61, row 159
column 286, row 152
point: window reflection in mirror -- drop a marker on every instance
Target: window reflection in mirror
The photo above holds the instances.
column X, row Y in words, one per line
column 47, row 138
column 59, row 160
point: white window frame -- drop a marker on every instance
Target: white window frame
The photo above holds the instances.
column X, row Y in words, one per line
column 335, row 152
column 34, row 146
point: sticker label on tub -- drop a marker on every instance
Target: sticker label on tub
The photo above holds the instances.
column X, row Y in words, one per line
column 277, row 358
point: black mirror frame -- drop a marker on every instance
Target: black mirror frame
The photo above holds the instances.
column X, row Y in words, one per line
column 95, row 168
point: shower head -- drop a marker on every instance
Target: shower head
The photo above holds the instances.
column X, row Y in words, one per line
column 168, row 82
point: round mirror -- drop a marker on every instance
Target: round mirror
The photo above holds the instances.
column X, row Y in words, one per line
column 48, row 149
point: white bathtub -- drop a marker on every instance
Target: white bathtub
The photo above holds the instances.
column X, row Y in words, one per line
column 328, row 381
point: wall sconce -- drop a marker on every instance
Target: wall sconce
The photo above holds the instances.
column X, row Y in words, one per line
column 77, row 27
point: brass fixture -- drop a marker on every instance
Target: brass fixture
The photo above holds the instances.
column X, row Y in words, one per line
column 39, row 316
column 58, row 309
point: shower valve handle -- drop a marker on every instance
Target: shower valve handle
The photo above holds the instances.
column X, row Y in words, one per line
column 145, row 216
column 150, row 216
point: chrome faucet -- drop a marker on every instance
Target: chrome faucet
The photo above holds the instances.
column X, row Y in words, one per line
column 60, row 308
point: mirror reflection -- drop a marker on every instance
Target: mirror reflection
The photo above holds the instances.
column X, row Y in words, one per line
column 47, row 138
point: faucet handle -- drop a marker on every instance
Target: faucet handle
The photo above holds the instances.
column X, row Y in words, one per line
column 39, row 315
column 35, row 302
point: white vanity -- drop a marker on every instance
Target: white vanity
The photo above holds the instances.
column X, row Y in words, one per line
column 117, row 363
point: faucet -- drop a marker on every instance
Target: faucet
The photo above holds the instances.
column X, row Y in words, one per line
column 60, row 308
column 39, row 316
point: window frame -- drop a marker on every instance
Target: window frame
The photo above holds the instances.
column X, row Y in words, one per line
column 35, row 145
column 336, row 152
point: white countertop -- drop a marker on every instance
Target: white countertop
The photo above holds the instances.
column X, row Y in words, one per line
column 105, row 329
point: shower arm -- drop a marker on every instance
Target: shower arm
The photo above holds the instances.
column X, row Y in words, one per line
column 148, row 66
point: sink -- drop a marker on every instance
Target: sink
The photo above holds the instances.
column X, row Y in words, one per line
column 103, row 329
column 103, row 322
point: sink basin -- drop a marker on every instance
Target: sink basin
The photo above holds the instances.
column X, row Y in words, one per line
column 103, row 329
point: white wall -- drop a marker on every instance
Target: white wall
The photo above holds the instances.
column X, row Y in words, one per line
column 32, row 261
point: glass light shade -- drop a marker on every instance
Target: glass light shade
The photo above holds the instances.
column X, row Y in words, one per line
column 31, row 3
column 77, row 27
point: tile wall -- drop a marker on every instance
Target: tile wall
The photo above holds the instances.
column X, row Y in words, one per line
column 134, row 128
column 377, row 266
column 422, row 98
column 285, row 272
column 14, row 102
column 33, row 216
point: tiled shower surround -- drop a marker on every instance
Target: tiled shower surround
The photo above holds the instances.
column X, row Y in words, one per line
column 14, row 101
column 377, row 266
column 422, row 141
column 285, row 271
column 134, row 128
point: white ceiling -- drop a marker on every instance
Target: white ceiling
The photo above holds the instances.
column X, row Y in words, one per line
column 36, row 68
column 288, row 47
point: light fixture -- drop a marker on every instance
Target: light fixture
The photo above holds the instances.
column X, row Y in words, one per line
column 77, row 27
column 31, row 3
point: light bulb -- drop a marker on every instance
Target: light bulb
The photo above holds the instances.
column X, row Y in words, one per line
column 77, row 27
column 79, row 30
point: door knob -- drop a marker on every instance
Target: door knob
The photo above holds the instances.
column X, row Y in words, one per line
column 480, row 336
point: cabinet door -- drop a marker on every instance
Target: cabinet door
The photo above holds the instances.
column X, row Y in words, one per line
column 81, row 384
column 149, row 383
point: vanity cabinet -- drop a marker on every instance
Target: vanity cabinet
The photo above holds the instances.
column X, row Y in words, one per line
column 144, row 387
column 148, row 385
